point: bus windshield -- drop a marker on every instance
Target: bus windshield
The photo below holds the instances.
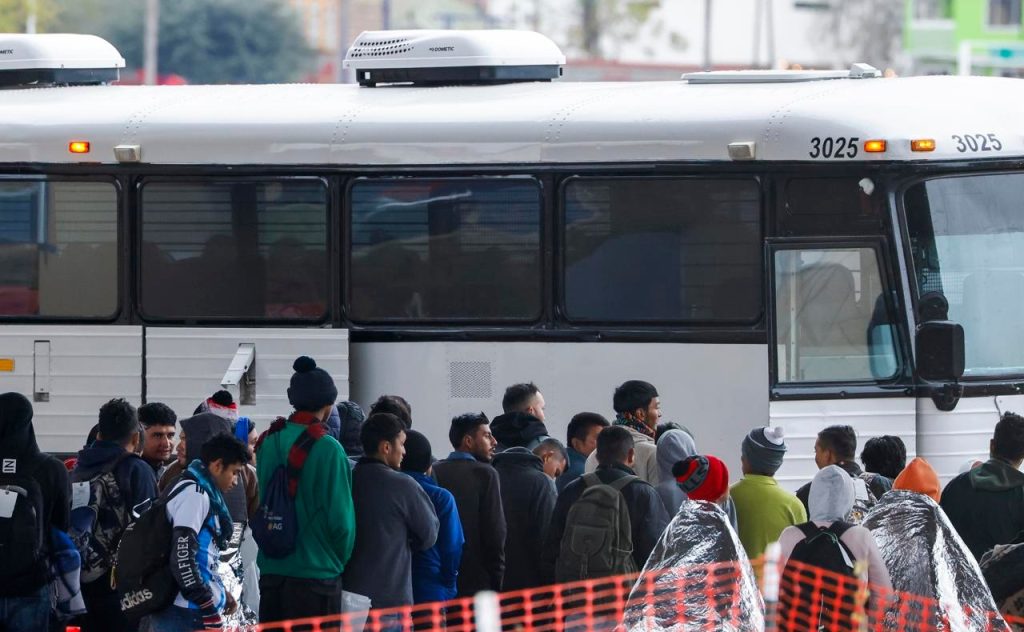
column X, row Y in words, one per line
column 967, row 241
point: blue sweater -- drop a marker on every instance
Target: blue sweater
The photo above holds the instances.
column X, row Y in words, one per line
column 435, row 570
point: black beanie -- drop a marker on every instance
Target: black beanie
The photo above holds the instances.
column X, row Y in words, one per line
column 417, row 452
column 311, row 388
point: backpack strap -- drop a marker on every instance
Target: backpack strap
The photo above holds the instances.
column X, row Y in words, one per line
column 592, row 479
column 276, row 426
column 839, row 528
column 620, row 484
column 809, row 529
column 299, row 452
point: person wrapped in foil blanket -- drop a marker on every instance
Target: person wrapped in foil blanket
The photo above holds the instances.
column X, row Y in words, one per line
column 926, row 557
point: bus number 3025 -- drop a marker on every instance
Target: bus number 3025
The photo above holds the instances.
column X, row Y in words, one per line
column 977, row 142
column 828, row 147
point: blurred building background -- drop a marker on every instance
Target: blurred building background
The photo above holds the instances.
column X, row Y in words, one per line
column 259, row 41
column 965, row 36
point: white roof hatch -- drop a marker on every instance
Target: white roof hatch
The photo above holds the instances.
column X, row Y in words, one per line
column 426, row 57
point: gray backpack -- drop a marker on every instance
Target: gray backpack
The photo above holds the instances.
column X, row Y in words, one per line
column 598, row 540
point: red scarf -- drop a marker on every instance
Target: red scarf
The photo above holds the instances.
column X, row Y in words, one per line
column 299, row 451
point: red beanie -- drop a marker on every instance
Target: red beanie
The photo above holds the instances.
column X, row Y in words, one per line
column 702, row 477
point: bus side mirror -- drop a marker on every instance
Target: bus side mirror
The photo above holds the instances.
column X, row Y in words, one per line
column 940, row 351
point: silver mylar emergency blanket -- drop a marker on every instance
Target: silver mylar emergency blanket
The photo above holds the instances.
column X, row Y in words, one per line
column 926, row 557
column 231, row 572
column 698, row 577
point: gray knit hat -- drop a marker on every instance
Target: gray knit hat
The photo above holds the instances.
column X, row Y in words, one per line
column 764, row 448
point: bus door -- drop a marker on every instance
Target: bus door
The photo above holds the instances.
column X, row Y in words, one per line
column 65, row 345
column 836, row 351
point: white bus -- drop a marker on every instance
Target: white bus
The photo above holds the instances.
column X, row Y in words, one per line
column 764, row 247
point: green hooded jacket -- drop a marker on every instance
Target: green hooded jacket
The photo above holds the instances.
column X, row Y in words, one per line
column 323, row 505
column 986, row 505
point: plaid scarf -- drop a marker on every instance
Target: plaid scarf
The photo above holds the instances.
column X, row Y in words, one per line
column 635, row 425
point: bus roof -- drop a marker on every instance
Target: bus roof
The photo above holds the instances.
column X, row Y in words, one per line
column 559, row 122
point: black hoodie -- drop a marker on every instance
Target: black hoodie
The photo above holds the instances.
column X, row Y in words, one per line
column 18, row 449
column 517, row 429
column 528, row 498
column 986, row 505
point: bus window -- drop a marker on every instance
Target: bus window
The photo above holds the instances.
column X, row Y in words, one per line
column 660, row 249
column 831, row 319
column 58, row 249
column 851, row 205
column 445, row 249
column 234, row 250
column 967, row 242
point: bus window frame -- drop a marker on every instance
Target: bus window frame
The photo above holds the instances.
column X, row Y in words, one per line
column 895, row 386
column 140, row 180
column 560, row 265
column 120, row 246
column 542, row 314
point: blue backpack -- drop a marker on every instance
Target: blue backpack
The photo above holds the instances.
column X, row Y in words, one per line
column 275, row 527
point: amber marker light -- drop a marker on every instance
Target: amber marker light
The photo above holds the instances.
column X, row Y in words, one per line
column 874, row 146
column 78, row 146
column 922, row 144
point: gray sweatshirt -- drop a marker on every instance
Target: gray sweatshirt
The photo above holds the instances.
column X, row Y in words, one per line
column 394, row 517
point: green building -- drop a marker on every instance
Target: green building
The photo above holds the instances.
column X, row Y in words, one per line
column 965, row 37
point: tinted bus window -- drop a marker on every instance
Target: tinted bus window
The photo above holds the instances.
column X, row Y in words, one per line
column 58, row 249
column 967, row 242
column 672, row 250
column 446, row 249
column 234, row 250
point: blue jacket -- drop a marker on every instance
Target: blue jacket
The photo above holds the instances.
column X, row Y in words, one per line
column 575, row 470
column 434, row 571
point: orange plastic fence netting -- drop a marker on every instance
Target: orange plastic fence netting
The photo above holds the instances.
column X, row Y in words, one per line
column 707, row 597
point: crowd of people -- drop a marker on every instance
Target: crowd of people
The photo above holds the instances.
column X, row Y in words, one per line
column 166, row 525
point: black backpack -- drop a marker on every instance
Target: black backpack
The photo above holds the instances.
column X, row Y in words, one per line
column 142, row 572
column 98, row 524
column 821, row 548
column 598, row 538
column 22, row 548
column 275, row 527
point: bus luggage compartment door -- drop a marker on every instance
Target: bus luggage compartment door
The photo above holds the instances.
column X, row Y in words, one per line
column 68, row 372
column 185, row 365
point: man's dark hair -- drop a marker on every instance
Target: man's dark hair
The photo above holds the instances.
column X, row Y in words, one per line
column 156, row 414
column 580, row 425
column 613, row 445
column 551, row 445
column 518, row 396
column 465, row 424
column 1008, row 440
column 842, row 440
column 885, row 455
column 225, row 448
column 632, row 395
column 393, row 405
column 379, row 427
column 118, row 421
